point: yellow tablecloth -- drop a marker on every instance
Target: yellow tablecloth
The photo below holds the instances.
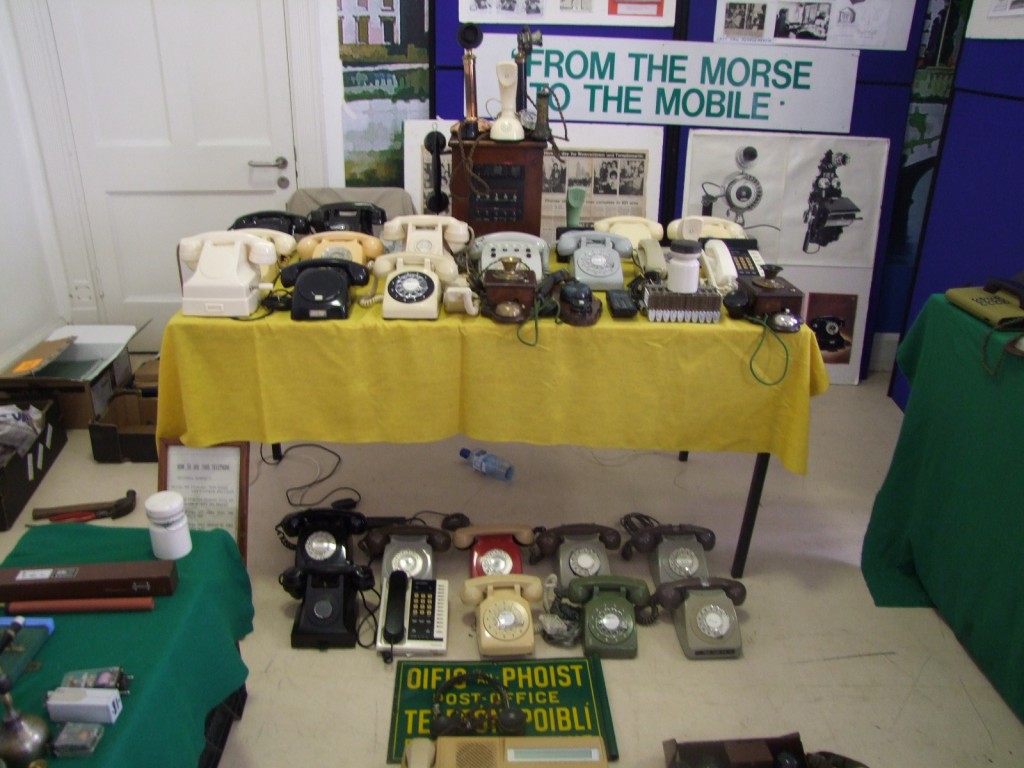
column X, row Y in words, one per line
column 618, row 384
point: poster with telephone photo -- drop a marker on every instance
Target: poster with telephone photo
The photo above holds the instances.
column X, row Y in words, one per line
column 808, row 198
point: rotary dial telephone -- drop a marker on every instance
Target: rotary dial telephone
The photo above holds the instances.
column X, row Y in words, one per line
column 635, row 228
column 353, row 216
column 677, row 551
column 323, row 577
column 582, row 549
column 609, row 613
column 406, row 547
column 321, row 286
column 504, row 618
column 707, row 625
column 495, row 547
column 353, row 246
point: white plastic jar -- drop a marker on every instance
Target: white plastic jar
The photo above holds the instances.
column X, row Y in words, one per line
column 168, row 525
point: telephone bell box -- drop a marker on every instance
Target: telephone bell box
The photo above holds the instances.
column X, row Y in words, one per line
column 80, row 366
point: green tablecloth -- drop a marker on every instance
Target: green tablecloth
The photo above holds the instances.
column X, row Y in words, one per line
column 947, row 527
column 183, row 655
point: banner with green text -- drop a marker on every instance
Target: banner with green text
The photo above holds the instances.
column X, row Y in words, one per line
column 665, row 82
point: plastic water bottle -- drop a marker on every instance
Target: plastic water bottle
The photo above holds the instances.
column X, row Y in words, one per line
column 488, row 464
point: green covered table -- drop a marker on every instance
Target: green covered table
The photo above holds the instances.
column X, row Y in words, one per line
column 183, row 655
column 947, row 526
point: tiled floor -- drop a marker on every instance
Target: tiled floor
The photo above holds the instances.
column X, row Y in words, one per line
column 890, row 687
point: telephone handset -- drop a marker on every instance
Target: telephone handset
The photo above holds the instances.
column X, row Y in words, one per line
column 596, row 257
column 703, row 228
column 426, row 233
column 282, row 221
column 582, row 549
column 495, row 547
column 609, row 613
column 636, row 228
column 352, row 216
column 354, row 246
column 707, row 626
column 650, row 255
column 677, row 551
column 504, row 618
column 529, row 249
column 323, row 576
column 406, row 547
column 505, row 751
column 414, row 616
column 222, row 272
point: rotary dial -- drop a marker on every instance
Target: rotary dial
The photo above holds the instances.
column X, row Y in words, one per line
column 713, row 621
column 495, row 562
column 408, row 560
column 505, row 619
column 410, row 287
column 320, row 545
column 683, row 562
column 584, row 561
column 611, row 624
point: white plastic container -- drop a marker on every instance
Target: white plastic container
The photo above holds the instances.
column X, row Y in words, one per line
column 168, row 525
column 684, row 266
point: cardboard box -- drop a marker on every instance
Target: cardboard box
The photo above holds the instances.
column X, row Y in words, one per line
column 126, row 431
column 21, row 475
column 147, row 376
column 79, row 366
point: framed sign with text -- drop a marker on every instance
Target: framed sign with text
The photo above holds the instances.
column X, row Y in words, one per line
column 214, row 481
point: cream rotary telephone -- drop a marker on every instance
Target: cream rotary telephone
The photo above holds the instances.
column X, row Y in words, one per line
column 504, row 618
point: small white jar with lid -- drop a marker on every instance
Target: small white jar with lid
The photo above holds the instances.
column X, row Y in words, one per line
column 168, row 525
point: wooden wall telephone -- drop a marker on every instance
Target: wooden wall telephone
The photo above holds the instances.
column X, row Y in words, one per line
column 504, row 618
column 609, row 613
column 226, row 273
column 495, row 547
column 354, row 246
column 323, row 576
column 582, row 549
column 707, row 626
column 505, row 752
column 677, row 551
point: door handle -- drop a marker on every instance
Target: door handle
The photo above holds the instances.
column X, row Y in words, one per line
column 280, row 162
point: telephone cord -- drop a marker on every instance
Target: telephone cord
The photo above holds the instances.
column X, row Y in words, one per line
column 765, row 330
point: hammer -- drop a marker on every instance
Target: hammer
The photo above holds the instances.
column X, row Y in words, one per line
column 87, row 511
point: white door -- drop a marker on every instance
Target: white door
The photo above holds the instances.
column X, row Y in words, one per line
column 181, row 116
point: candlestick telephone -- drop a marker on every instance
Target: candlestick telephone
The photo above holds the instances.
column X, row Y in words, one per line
column 707, row 626
column 582, row 549
column 226, row 273
column 610, row 613
column 677, row 551
column 495, row 547
column 504, row 619
column 323, row 577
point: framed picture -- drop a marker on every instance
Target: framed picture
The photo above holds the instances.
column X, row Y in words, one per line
column 214, row 482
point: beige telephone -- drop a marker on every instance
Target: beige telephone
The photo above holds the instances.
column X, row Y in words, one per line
column 504, row 619
column 702, row 227
column 636, row 228
column 222, row 272
column 427, row 234
column 505, row 751
column 651, row 257
column 414, row 284
column 352, row 246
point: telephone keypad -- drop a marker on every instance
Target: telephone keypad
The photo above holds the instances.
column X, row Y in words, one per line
column 421, row 610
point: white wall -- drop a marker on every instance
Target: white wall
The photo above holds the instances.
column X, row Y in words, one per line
column 35, row 299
